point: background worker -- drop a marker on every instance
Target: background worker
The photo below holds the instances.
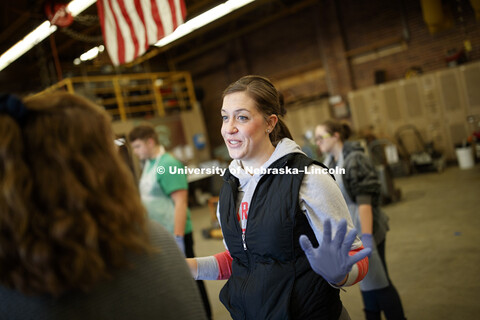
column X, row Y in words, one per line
column 361, row 189
column 165, row 194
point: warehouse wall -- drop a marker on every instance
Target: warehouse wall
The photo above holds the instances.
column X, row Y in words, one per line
column 346, row 38
column 381, row 20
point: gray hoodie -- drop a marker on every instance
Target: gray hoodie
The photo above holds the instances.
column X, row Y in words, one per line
column 319, row 198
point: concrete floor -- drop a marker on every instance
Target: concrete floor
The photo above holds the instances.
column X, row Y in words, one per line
column 433, row 252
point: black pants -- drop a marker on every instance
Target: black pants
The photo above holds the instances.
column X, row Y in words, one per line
column 385, row 299
column 188, row 239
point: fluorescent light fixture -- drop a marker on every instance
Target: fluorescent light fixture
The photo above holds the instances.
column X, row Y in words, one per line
column 39, row 34
column 75, row 7
column 89, row 55
column 202, row 20
column 32, row 39
column 78, row 6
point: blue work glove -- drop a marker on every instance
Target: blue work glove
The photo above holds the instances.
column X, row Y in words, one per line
column 331, row 259
column 367, row 240
column 180, row 243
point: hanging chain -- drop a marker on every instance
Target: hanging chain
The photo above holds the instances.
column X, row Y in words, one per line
column 87, row 20
column 81, row 37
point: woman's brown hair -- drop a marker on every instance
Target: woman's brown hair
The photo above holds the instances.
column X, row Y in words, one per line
column 69, row 208
column 267, row 99
column 342, row 128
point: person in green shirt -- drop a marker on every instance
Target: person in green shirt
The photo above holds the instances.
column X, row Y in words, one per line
column 164, row 191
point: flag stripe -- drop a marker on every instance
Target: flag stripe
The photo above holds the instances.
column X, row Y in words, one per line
column 173, row 13
column 166, row 15
column 150, row 25
column 124, row 31
column 115, row 35
column 111, row 33
column 139, row 9
column 130, row 26
column 106, row 23
column 183, row 10
column 158, row 21
column 128, row 16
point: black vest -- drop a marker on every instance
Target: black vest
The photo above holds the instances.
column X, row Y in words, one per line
column 272, row 279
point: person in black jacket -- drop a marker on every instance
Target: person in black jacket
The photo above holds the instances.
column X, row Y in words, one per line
column 361, row 189
column 271, row 207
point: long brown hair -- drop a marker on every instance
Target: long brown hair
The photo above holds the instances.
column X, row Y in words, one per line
column 267, row 99
column 69, row 208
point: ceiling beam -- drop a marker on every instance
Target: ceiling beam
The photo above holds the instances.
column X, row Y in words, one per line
column 249, row 28
column 20, row 21
column 199, row 6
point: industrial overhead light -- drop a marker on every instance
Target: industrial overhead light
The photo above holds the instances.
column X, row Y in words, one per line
column 202, row 20
column 27, row 43
column 89, row 55
column 75, row 7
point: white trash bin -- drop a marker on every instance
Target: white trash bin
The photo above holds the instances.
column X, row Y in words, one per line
column 465, row 157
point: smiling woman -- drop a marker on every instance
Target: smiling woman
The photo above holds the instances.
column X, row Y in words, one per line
column 273, row 271
column 267, row 101
column 251, row 120
column 245, row 130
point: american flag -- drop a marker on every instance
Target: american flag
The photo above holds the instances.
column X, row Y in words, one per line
column 130, row 26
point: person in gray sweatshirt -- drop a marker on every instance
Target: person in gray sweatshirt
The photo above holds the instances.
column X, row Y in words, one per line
column 361, row 189
column 283, row 218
